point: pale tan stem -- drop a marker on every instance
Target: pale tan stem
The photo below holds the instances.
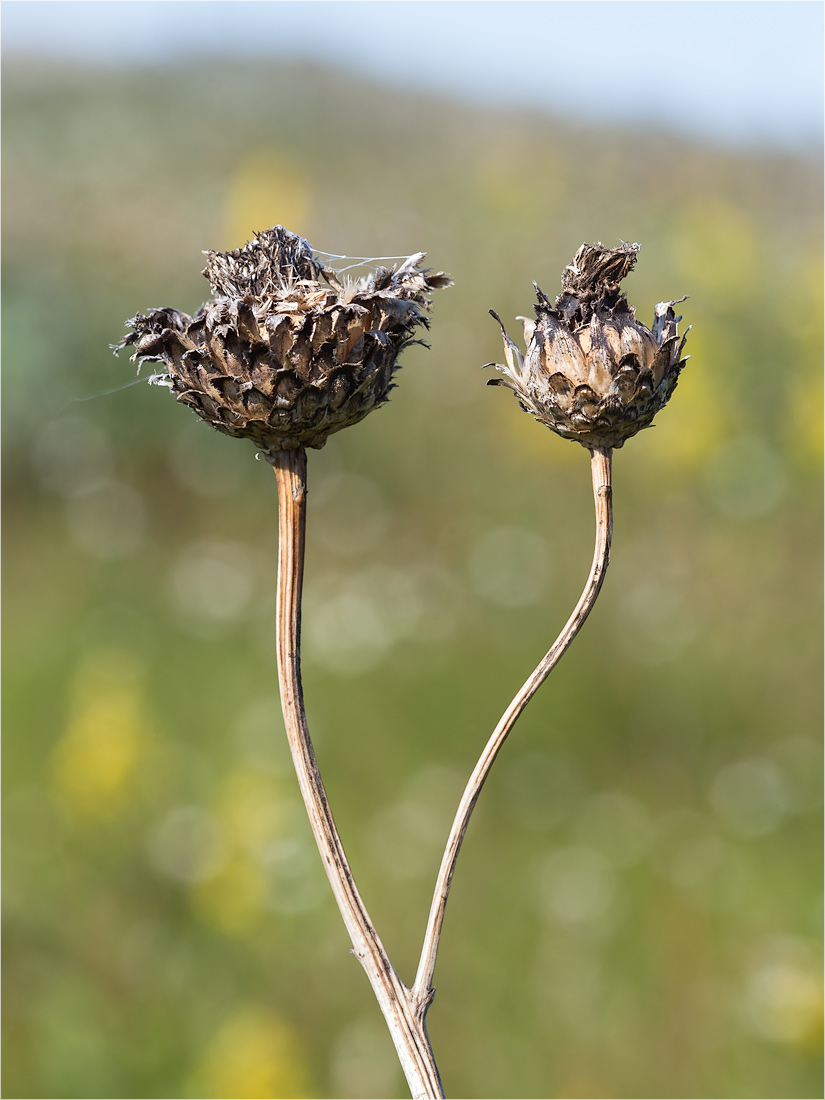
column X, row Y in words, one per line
column 403, row 1010
column 600, row 467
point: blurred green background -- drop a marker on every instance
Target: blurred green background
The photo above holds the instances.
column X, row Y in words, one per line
column 637, row 908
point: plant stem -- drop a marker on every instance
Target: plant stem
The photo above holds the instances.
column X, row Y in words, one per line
column 600, row 468
column 403, row 1009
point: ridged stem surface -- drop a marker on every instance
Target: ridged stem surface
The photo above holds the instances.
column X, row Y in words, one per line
column 600, row 467
column 403, row 1009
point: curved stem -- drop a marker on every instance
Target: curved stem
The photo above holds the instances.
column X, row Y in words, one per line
column 600, row 467
column 403, row 1010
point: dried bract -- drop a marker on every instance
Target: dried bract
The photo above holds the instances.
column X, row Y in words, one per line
column 592, row 372
column 288, row 351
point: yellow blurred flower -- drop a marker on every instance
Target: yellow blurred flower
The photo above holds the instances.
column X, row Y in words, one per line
column 255, row 1054
column 784, row 995
column 799, row 312
column 252, row 811
column 252, row 808
column 269, row 187
column 106, row 736
column 233, row 900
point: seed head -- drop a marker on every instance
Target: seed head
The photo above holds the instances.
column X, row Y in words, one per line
column 592, row 372
column 287, row 351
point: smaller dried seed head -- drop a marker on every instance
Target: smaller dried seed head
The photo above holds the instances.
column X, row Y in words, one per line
column 592, row 372
column 288, row 351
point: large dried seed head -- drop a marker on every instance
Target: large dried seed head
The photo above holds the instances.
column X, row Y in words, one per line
column 287, row 351
column 592, row 372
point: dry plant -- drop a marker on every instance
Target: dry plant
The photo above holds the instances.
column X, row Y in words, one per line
column 290, row 351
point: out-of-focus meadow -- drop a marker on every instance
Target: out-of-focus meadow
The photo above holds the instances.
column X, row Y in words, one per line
column 637, row 908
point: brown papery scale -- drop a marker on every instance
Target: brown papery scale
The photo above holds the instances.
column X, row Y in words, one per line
column 592, row 372
column 288, row 351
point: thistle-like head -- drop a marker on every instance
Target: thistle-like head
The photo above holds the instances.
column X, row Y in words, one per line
column 592, row 372
column 287, row 351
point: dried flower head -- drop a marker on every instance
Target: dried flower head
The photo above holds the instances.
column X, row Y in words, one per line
column 592, row 372
column 288, row 351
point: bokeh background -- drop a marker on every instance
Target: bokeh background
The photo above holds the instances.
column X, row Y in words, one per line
column 637, row 908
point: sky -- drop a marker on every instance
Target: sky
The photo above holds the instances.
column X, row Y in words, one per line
column 737, row 72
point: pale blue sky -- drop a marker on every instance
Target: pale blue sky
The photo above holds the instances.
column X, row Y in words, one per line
column 737, row 71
